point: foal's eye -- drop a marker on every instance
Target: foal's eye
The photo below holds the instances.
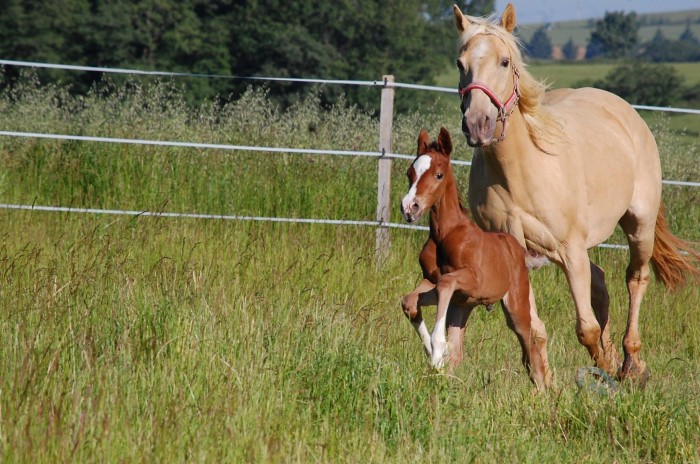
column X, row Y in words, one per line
column 439, row 176
column 505, row 62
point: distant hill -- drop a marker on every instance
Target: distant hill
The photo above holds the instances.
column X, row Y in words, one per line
column 672, row 25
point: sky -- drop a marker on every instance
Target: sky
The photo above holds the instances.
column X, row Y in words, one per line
column 538, row 11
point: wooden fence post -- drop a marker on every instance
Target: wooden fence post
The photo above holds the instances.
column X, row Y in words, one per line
column 386, row 120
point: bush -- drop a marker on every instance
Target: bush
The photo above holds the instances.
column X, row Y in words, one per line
column 644, row 83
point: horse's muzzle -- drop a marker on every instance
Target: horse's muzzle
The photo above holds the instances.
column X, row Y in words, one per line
column 478, row 130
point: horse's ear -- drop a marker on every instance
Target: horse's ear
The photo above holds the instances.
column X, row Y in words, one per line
column 445, row 141
column 508, row 18
column 423, row 142
column 461, row 21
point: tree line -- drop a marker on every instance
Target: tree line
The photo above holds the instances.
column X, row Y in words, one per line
column 643, row 77
column 616, row 36
column 347, row 39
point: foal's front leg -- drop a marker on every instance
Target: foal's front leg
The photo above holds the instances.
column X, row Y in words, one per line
column 423, row 295
column 461, row 279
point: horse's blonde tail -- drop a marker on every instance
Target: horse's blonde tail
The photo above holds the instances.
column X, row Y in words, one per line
column 673, row 259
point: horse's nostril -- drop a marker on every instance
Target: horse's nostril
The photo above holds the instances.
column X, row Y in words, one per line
column 414, row 208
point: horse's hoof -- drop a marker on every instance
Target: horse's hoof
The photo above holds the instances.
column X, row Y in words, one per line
column 638, row 374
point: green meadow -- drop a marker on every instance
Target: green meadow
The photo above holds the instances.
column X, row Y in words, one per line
column 155, row 339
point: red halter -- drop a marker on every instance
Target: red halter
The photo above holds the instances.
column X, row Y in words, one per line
column 504, row 109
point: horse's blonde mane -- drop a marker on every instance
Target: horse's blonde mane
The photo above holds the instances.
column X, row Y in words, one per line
column 540, row 123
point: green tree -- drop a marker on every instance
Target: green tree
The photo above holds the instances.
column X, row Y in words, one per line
column 614, row 36
column 570, row 50
column 688, row 36
column 340, row 40
column 540, row 45
column 43, row 31
column 349, row 39
column 660, row 49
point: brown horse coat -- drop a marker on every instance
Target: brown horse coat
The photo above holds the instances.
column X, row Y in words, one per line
column 464, row 267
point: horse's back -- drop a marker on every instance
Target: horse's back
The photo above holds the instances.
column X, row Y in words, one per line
column 616, row 153
column 588, row 111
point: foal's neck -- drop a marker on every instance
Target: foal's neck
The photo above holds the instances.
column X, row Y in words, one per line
column 446, row 213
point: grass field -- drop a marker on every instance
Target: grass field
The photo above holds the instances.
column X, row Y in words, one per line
column 157, row 340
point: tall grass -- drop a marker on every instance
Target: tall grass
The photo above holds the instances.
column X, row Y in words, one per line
column 154, row 339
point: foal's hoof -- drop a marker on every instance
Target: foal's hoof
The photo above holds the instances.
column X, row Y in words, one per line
column 439, row 363
column 638, row 374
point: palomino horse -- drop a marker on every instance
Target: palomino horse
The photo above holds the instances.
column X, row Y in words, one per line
column 464, row 267
column 572, row 165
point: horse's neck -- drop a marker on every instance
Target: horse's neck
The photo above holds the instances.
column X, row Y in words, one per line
column 507, row 159
column 446, row 213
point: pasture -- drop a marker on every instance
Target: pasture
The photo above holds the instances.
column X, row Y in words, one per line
column 163, row 339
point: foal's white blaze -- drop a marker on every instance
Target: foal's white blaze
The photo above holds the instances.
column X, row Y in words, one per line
column 421, row 166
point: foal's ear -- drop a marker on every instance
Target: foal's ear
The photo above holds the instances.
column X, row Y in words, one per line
column 461, row 21
column 508, row 18
column 423, row 142
column 445, row 141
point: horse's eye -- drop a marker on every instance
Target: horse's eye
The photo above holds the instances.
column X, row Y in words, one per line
column 505, row 62
column 439, row 176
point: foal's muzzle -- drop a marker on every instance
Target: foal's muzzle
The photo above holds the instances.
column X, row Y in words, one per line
column 411, row 210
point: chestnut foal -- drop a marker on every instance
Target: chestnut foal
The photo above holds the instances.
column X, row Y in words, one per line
column 464, row 267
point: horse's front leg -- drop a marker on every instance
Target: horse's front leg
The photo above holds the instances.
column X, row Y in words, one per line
column 446, row 286
column 423, row 295
column 600, row 300
column 577, row 268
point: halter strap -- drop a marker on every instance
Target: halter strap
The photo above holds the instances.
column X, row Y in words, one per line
column 504, row 109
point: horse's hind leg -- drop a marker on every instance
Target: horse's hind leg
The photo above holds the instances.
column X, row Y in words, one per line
column 600, row 300
column 640, row 236
column 521, row 317
column 423, row 295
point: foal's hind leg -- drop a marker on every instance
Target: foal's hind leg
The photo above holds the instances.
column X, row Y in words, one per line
column 456, row 326
column 600, row 300
column 521, row 317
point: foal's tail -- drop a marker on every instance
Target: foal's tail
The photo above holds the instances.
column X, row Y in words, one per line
column 673, row 259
